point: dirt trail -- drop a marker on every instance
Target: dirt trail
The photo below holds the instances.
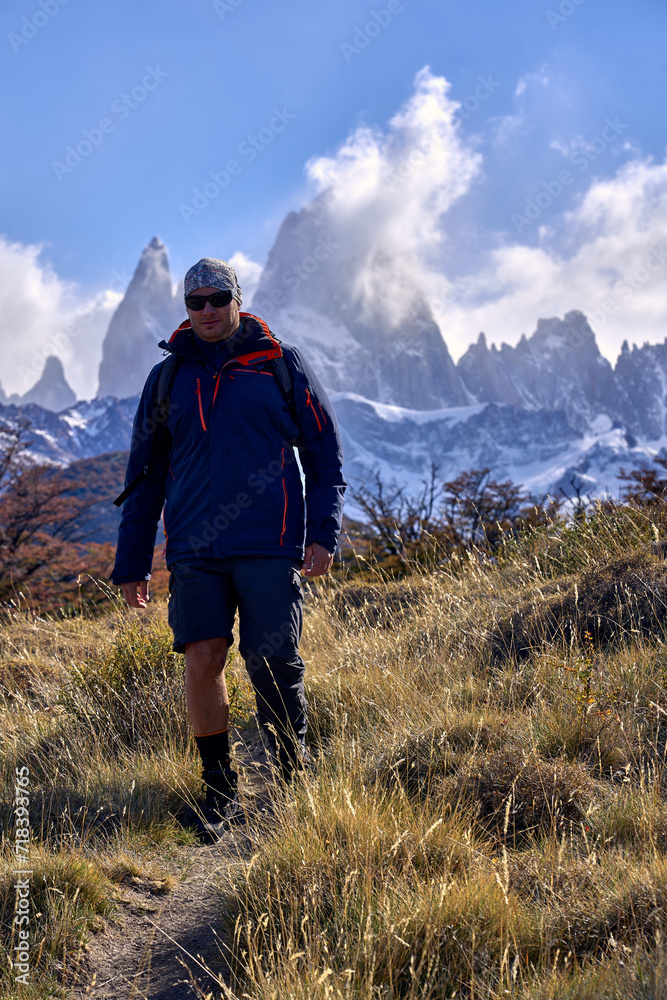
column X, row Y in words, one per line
column 160, row 945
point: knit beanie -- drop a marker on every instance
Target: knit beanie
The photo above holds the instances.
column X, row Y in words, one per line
column 211, row 273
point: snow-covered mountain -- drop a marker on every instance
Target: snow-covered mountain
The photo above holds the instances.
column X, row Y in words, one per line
column 536, row 448
column 147, row 312
column 546, row 413
column 358, row 313
column 81, row 431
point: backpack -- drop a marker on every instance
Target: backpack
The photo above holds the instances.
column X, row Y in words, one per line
column 160, row 413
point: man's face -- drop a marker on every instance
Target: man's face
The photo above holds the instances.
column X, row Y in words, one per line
column 214, row 324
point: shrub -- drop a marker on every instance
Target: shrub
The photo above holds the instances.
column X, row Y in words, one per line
column 619, row 600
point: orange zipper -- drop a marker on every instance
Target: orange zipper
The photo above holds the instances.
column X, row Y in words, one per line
column 309, row 403
column 217, row 386
column 284, row 512
column 201, row 411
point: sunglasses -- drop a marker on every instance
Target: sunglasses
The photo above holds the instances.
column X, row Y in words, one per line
column 217, row 300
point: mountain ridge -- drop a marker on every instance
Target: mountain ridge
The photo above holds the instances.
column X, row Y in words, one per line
column 545, row 412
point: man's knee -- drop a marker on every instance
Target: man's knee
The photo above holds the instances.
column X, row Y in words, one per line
column 206, row 658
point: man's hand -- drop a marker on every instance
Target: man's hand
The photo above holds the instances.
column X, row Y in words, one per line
column 136, row 594
column 316, row 561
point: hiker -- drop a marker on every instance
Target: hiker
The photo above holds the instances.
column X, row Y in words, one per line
column 215, row 442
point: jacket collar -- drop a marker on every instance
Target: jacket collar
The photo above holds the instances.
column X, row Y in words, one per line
column 255, row 344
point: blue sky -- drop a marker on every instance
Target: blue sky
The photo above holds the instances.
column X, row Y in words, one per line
column 158, row 96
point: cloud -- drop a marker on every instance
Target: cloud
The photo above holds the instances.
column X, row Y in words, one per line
column 613, row 268
column 385, row 193
column 43, row 315
column 248, row 272
column 529, row 79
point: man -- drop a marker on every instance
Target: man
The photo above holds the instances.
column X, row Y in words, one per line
column 239, row 529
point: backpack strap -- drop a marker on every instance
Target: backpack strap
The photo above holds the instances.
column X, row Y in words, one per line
column 159, row 419
column 284, row 380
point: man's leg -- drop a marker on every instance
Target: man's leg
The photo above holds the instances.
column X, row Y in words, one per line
column 270, row 623
column 208, row 700
column 202, row 603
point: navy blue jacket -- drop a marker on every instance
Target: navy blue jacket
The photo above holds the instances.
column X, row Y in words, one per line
column 229, row 480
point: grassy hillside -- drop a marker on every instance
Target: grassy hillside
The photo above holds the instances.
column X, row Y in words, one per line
column 488, row 817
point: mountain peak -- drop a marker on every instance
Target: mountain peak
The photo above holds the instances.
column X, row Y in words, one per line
column 357, row 309
column 147, row 314
column 558, row 368
column 52, row 391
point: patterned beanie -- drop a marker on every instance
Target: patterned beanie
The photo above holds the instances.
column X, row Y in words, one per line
column 211, row 273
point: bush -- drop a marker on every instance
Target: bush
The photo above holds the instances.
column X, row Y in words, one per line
column 133, row 694
column 621, row 599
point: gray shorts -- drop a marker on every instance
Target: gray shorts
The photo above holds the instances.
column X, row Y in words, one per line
column 204, row 595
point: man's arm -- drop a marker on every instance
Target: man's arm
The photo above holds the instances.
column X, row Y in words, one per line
column 142, row 509
column 321, row 455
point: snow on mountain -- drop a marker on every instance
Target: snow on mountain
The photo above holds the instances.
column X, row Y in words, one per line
column 317, row 291
column 559, row 368
column 642, row 373
column 147, row 314
column 537, row 449
column 82, row 431
column 548, row 413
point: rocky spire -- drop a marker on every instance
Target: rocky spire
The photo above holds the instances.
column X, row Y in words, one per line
column 146, row 315
column 52, row 391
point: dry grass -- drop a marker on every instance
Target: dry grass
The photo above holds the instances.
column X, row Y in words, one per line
column 479, row 826
column 94, row 708
column 488, row 817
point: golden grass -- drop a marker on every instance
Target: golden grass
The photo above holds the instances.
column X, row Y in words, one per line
column 478, row 825
column 476, row 828
column 94, row 708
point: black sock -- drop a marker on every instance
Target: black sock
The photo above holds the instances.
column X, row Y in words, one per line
column 214, row 750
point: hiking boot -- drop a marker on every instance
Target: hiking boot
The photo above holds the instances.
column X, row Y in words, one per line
column 221, row 804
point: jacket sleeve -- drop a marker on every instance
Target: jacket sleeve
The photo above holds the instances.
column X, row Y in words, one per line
column 320, row 453
column 142, row 509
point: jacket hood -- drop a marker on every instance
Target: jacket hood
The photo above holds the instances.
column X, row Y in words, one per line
column 256, row 342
